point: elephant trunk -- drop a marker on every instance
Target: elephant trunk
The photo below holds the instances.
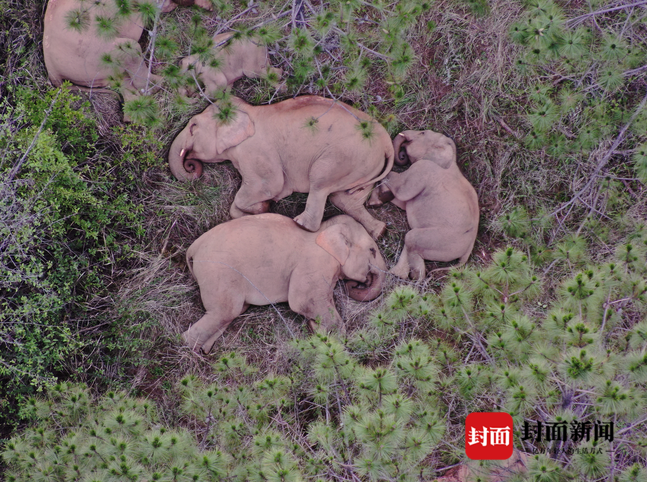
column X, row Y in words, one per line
column 182, row 168
column 373, row 287
column 401, row 156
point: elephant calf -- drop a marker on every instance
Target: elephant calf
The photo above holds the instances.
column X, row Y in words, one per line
column 236, row 59
column 265, row 259
column 442, row 206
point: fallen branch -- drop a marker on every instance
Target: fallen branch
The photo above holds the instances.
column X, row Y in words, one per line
column 577, row 20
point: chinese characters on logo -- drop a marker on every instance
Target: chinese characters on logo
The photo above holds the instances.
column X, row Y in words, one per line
column 488, row 436
column 579, row 431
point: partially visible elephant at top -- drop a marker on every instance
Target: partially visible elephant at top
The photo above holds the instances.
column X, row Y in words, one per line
column 74, row 46
column 308, row 144
column 442, row 206
column 266, row 259
column 235, row 58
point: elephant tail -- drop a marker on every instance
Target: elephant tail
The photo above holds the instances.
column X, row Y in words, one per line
column 389, row 157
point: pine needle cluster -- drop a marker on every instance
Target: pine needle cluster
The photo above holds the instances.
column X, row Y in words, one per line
column 584, row 70
column 383, row 404
column 325, row 47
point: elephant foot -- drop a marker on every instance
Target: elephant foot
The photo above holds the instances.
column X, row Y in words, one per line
column 416, row 266
column 400, row 273
column 258, row 208
column 377, row 230
column 318, row 327
column 380, row 195
column 401, row 269
column 194, row 342
column 236, row 213
column 191, row 340
column 417, row 273
column 307, row 223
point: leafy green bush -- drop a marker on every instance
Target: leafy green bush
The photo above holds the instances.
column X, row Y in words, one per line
column 64, row 225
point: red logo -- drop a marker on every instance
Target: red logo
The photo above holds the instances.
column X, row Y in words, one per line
column 488, row 436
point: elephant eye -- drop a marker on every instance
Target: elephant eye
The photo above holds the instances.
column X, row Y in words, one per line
column 192, row 128
column 373, row 252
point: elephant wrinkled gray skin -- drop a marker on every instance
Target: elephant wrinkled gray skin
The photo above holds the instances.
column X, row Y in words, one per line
column 77, row 54
column 442, row 206
column 308, row 144
column 265, row 259
column 236, row 59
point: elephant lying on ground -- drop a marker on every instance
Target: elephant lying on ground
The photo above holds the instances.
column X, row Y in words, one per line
column 236, row 59
column 308, row 144
column 75, row 46
column 442, row 206
column 264, row 259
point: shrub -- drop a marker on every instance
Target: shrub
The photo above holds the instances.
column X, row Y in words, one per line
column 64, row 226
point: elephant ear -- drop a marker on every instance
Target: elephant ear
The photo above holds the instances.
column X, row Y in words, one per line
column 234, row 131
column 335, row 240
column 443, row 152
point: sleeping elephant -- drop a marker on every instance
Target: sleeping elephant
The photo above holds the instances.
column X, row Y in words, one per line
column 264, row 259
column 75, row 47
column 308, row 144
column 442, row 206
column 235, row 59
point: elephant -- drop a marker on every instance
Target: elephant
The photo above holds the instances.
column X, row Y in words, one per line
column 236, row 59
column 442, row 206
column 75, row 47
column 308, row 144
column 267, row 258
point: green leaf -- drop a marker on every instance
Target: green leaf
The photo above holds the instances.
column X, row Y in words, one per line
column 78, row 19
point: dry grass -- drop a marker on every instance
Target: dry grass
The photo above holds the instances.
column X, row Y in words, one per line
column 458, row 85
column 462, row 84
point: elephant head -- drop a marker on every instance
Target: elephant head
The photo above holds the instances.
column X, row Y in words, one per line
column 204, row 139
column 411, row 146
column 362, row 265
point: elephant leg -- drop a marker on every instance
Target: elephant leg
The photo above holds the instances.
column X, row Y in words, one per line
column 203, row 334
column 438, row 244
column 255, row 193
column 315, row 303
column 258, row 208
column 434, row 244
column 401, row 269
column 416, row 266
column 130, row 58
column 381, row 195
column 213, row 81
column 310, row 218
column 353, row 205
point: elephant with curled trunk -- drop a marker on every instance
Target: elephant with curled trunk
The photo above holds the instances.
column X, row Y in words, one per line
column 308, row 144
column 75, row 45
column 266, row 259
column 442, row 206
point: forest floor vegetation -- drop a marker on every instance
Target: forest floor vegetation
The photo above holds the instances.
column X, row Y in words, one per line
column 546, row 104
